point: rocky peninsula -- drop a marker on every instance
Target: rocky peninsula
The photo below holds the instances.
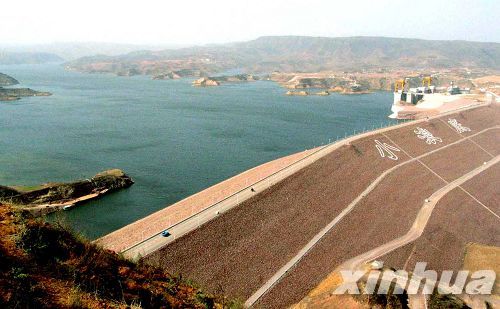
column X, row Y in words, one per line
column 218, row 80
column 52, row 197
column 12, row 94
column 205, row 82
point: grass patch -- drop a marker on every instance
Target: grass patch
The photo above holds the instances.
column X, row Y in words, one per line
column 480, row 257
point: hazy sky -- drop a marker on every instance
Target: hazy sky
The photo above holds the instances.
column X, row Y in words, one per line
column 216, row 21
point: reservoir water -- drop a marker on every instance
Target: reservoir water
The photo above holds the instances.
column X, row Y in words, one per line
column 171, row 138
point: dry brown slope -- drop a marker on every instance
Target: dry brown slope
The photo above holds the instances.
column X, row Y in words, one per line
column 386, row 213
column 243, row 248
column 456, row 221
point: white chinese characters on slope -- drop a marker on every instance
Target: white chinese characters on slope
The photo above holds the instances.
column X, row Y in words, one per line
column 386, row 150
column 458, row 126
column 427, row 136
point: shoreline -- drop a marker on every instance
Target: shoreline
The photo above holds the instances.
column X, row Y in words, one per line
column 51, row 197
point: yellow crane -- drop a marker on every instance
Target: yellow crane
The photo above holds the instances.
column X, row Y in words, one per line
column 427, row 80
column 399, row 85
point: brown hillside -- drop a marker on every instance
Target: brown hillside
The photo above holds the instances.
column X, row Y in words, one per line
column 47, row 266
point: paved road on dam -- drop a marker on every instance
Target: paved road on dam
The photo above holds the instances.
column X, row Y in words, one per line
column 147, row 228
column 371, row 189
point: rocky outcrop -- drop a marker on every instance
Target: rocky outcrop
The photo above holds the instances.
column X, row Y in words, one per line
column 297, row 93
column 6, row 192
column 205, row 81
column 322, row 93
column 51, row 197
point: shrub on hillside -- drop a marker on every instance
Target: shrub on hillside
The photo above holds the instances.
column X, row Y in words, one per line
column 46, row 266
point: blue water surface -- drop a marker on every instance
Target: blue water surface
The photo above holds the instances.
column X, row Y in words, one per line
column 171, row 138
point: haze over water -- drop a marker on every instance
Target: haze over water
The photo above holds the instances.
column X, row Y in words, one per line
column 171, row 138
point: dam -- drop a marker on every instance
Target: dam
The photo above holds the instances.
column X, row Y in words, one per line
column 281, row 228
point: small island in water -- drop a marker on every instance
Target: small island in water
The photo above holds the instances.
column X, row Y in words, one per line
column 12, row 94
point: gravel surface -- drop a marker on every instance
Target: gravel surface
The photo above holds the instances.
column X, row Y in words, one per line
column 456, row 160
column 456, row 221
column 237, row 252
column 244, row 247
column 386, row 213
column 485, row 187
column 490, row 141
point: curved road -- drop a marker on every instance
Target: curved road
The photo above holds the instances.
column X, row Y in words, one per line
column 420, row 222
column 423, row 216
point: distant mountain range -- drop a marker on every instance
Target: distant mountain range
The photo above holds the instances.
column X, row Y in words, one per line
column 307, row 54
column 74, row 50
column 28, row 58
